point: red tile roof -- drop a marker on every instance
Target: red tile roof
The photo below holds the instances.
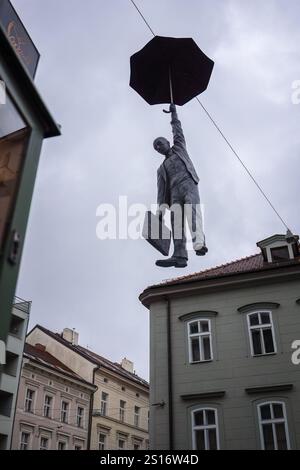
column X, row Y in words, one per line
column 46, row 359
column 95, row 358
column 241, row 266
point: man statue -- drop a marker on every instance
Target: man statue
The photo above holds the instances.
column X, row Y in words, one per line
column 177, row 187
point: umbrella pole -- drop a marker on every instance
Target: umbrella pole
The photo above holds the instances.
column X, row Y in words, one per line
column 171, row 86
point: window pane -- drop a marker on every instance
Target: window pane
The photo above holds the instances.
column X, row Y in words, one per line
column 278, row 411
column 265, row 412
column 194, row 327
column 256, row 342
column 268, row 340
column 254, row 320
column 204, row 326
column 195, row 350
column 210, row 417
column 198, row 417
column 200, row 440
column 212, row 439
column 206, row 348
column 268, row 437
column 265, row 318
column 281, row 436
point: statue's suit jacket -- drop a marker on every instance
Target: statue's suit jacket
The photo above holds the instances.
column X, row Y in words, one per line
column 179, row 147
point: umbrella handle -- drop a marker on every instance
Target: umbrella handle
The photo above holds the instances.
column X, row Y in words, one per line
column 171, row 90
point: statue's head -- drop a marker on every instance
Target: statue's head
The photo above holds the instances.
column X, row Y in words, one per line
column 161, row 145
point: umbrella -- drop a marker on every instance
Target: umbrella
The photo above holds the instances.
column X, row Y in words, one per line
column 170, row 70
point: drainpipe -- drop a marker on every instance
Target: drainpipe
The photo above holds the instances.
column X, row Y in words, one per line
column 170, row 375
column 91, row 411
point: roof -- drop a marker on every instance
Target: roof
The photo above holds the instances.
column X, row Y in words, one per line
column 44, row 358
column 100, row 361
column 249, row 264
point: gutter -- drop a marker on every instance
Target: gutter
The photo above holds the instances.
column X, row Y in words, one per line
column 91, row 410
column 170, row 376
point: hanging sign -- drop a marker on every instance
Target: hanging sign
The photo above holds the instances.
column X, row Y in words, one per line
column 19, row 37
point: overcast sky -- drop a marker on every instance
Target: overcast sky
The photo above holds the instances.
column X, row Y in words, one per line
column 75, row 280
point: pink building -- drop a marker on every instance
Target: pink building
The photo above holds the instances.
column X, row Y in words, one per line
column 53, row 406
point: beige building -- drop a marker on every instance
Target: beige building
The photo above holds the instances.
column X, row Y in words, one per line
column 53, row 407
column 121, row 402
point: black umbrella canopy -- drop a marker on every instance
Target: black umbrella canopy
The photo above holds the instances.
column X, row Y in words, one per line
column 190, row 70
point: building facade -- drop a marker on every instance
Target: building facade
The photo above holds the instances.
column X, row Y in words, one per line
column 224, row 363
column 53, row 406
column 120, row 409
column 10, row 371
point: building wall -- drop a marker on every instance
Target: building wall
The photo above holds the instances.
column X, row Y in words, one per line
column 81, row 366
column 10, row 373
column 111, row 426
column 232, row 370
column 44, row 382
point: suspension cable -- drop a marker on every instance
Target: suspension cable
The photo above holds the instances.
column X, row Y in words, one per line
column 224, row 137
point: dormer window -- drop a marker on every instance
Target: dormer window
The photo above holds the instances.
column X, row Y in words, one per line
column 279, row 248
column 280, row 253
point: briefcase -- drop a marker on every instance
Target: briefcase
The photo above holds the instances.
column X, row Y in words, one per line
column 157, row 233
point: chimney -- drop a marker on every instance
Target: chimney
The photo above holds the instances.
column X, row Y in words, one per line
column 71, row 336
column 127, row 365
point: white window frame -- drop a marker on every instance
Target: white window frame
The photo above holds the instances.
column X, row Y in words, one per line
column 261, row 327
column 48, row 442
column 273, row 421
column 104, row 404
column 29, row 439
column 205, row 427
column 67, row 411
column 122, row 411
column 100, row 443
column 80, row 417
column 32, row 400
column 200, row 335
column 50, row 407
column 137, row 416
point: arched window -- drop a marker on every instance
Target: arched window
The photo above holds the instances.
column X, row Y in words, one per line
column 273, row 425
column 261, row 333
column 205, row 429
column 200, row 344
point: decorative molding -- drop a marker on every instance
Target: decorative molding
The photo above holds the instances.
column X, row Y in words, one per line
column 269, row 389
column 257, row 306
column 198, row 314
column 203, row 395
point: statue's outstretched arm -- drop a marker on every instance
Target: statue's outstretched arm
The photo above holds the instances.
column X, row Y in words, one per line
column 176, row 128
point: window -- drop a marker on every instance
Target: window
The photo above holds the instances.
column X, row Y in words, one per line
column 62, row 445
column 200, row 349
column 25, row 438
column 80, row 417
column 280, row 253
column 103, row 407
column 205, row 429
column 121, row 443
column 273, row 426
column 29, row 400
column 47, row 406
column 64, row 411
column 136, row 416
column 77, row 447
column 44, row 444
column 102, row 441
column 261, row 333
column 122, row 410
column 136, row 446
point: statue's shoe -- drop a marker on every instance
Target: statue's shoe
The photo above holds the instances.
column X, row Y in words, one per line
column 202, row 251
column 173, row 261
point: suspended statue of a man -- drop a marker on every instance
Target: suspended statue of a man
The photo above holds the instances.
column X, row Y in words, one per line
column 177, row 187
